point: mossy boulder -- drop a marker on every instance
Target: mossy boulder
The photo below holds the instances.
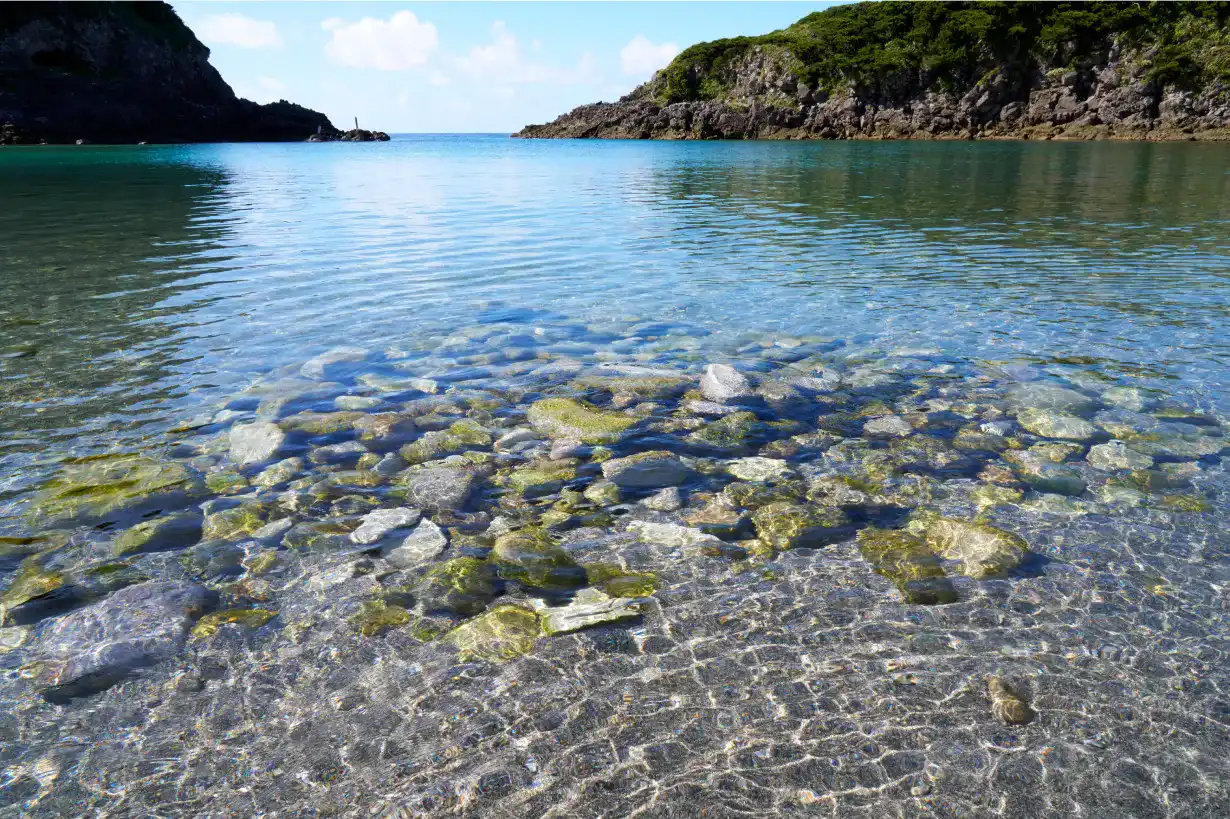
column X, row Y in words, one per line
column 783, row 525
column 1055, row 424
column 569, row 419
column 109, row 487
column 463, row 585
column 32, row 589
column 504, row 632
column 906, row 561
column 208, row 625
column 755, row 495
column 226, row 483
column 619, row 582
column 982, row 549
column 321, row 423
column 165, row 532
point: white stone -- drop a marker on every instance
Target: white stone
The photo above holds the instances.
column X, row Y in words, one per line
column 722, row 382
column 380, row 522
column 1117, row 455
column 255, row 443
column 420, row 546
column 760, row 469
column 891, row 426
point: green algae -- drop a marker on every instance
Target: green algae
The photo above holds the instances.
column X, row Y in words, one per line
column 729, row 432
column 503, row 632
column 983, row 550
column 226, row 483
column 232, row 523
column 163, row 532
column 98, row 488
column 541, row 477
column 783, row 525
column 461, row 436
column 321, row 423
column 377, row 616
column 567, row 418
column 603, row 493
column 463, row 585
column 906, row 561
column 989, row 495
column 208, row 625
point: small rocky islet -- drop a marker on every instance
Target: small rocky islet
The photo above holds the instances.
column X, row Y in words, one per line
column 389, row 533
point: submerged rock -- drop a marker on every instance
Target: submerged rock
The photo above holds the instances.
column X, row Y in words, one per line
column 323, row 365
column 459, row 437
column 723, row 383
column 760, row 469
column 729, row 432
column 570, row 419
column 103, row 488
column 380, row 522
column 668, row 499
column 906, row 561
column 421, row 546
column 1053, row 424
column 208, row 625
column 983, row 550
column 91, row 649
column 1008, row 706
column 175, row 531
column 440, row 487
column 783, row 525
column 533, row 557
column 279, row 473
column 646, row 470
column 541, row 477
column 34, row 593
column 589, row 607
column 1117, row 455
column 230, row 523
column 378, row 616
column 888, row 426
column 463, row 585
column 255, row 443
column 1042, row 396
column 504, row 632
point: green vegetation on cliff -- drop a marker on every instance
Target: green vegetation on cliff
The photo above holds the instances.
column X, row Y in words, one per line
column 954, row 45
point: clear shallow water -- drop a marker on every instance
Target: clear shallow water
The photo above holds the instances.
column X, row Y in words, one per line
column 142, row 288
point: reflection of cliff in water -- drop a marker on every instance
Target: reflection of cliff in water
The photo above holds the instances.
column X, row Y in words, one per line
column 92, row 248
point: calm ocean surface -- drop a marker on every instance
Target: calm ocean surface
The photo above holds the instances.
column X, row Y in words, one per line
column 147, row 293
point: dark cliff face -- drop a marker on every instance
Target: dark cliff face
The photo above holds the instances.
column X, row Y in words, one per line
column 124, row 72
column 941, row 70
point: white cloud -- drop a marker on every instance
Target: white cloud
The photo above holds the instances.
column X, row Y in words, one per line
column 267, row 89
column 502, row 63
column 402, row 42
column 641, row 58
column 238, row 30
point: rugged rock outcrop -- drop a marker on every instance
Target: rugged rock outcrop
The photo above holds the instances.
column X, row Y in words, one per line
column 953, row 70
column 124, row 72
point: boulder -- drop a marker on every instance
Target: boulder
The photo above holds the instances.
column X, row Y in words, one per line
column 646, row 470
column 722, row 383
column 380, row 522
column 589, row 607
column 255, row 443
column 570, row 419
column 421, row 546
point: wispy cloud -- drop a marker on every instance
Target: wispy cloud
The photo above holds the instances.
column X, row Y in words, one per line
column 238, row 30
column 641, row 58
column 503, row 63
column 399, row 43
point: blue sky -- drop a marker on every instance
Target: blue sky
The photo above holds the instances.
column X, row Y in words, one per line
column 459, row 66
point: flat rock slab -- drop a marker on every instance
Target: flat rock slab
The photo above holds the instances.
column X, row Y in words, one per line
column 255, row 443
column 590, row 607
column 422, row 545
column 646, row 470
column 380, row 522
column 93, row 648
column 722, row 383
column 440, row 488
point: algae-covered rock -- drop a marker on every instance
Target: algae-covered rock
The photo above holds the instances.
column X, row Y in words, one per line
column 461, row 436
column 1006, row 704
column 906, row 561
column 603, row 493
column 755, row 495
column 1054, row 424
column 504, row 632
column 979, row 441
column 989, row 495
column 729, row 432
column 783, row 525
column 378, row 616
column 619, row 582
column 645, row 386
column 1186, row 503
column 541, row 477
column 165, row 532
column 320, row 423
column 385, row 429
column 463, row 585
column 278, row 473
column 532, row 556
column 760, row 469
column 589, row 607
column 226, row 483
column 33, row 590
column 646, row 470
column 108, row 487
column 1053, row 451
column 983, row 550
column 570, row 419
column 718, row 519
column 231, row 523
column 208, row 625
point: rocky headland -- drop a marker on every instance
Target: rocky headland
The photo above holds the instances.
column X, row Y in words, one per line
column 122, row 73
column 892, row 70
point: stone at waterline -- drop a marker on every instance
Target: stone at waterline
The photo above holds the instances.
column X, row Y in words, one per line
column 646, row 470
column 722, row 383
column 93, row 648
column 421, row 546
column 380, row 522
column 255, row 443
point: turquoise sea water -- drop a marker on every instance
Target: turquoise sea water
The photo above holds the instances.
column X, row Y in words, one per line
column 153, row 297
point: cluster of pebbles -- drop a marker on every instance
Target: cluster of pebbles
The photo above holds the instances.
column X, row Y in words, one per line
column 368, row 544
